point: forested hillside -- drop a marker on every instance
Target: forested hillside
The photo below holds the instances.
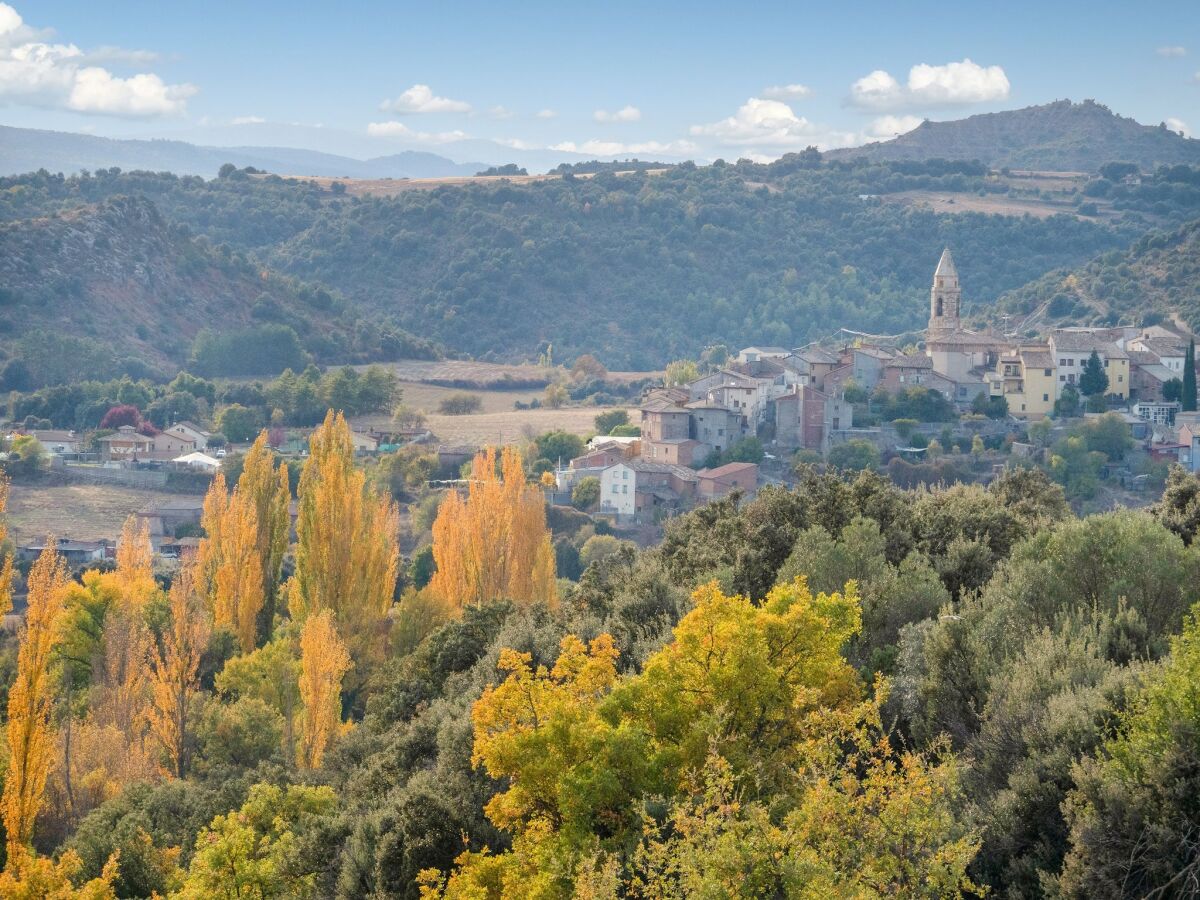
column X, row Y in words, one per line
column 1156, row 278
column 1059, row 136
column 112, row 288
column 637, row 268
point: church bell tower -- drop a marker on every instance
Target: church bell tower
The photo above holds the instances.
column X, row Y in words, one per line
column 945, row 298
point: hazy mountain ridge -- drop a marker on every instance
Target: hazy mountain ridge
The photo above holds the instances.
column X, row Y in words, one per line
column 28, row 150
column 1058, row 136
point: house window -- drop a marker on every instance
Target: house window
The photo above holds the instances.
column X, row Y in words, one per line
column 625, row 474
column 1120, row 379
column 1062, row 377
column 1045, row 398
column 1062, row 362
column 1046, row 372
column 615, row 491
column 720, row 432
column 624, row 489
column 1106, row 364
column 837, row 423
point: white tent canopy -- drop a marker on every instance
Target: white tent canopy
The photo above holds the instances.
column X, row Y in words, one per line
column 198, row 460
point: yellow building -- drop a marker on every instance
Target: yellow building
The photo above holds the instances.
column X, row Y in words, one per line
column 1025, row 378
column 1071, row 350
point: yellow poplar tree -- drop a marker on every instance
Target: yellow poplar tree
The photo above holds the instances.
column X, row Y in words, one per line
column 265, row 487
column 323, row 663
column 6, row 565
column 228, row 562
column 174, row 676
column 30, row 741
column 494, row 543
column 135, row 554
column 347, row 548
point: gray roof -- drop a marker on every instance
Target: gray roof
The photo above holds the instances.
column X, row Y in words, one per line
column 1083, row 342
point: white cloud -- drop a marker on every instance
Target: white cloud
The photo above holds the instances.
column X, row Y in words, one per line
column 787, row 91
column 247, row 120
column 500, row 112
column 761, row 123
column 546, row 114
column 402, row 131
column 420, row 99
column 97, row 90
column 890, row 126
column 1178, row 125
column 617, row 148
column 953, row 84
column 1171, row 51
column 61, row 76
column 517, row 144
column 624, row 114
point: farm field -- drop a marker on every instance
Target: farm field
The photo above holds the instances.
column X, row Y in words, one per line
column 390, row 187
column 505, row 425
column 484, row 373
column 85, row 512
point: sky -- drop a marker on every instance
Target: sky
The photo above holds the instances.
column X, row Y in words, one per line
column 652, row 80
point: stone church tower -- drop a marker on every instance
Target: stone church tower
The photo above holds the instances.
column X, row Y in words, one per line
column 945, row 298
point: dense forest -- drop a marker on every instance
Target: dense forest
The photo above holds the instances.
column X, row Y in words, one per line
column 1155, row 278
column 841, row 689
column 112, row 289
column 636, row 268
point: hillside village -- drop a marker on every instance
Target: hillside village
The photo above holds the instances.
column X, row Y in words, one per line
column 803, row 400
column 744, row 422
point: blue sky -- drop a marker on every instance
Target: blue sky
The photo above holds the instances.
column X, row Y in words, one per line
column 649, row 80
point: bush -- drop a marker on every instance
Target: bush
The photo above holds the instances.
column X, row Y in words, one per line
column 586, row 493
column 855, row 455
column 460, row 405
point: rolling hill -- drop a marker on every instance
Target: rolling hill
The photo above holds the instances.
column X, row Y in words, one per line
column 1157, row 278
column 1059, row 136
column 113, row 288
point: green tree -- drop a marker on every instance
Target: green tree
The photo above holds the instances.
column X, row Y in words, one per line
column 1189, row 378
column 681, row 372
column 855, row 455
column 1067, row 405
column 586, row 493
column 1093, row 381
column 255, row 851
column 460, row 404
column 610, row 419
column 238, row 423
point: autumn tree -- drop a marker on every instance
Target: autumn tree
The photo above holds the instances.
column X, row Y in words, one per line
column 174, row 676
column 750, row 729
column 323, row 663
column 229, row 562
column 265, row 487
column 347, row 551
column 494, row 544
column 30, row 740
column 135, row 554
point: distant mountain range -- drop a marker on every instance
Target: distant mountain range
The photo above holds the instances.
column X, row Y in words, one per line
column 27, row 150
column 1059, row 136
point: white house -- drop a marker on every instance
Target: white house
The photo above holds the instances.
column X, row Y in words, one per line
column 618, row 489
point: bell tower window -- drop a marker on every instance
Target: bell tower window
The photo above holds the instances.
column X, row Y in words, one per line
column 938, row 311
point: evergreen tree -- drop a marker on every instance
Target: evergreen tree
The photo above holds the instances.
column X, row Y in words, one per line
column 1093, row 382
column 1189, row 378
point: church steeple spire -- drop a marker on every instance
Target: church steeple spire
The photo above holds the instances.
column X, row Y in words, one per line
column 945, row 298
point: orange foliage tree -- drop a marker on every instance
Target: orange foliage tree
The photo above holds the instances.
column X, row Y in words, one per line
column 323, row 663
column 174, row 676
column 135, row 555
column 30, row 741
column 494, row 544
column 347, row 550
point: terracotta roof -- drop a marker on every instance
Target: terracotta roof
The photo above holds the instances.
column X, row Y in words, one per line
column 1038, row 359
column 961, row 339
column 1161, row 347
column 661, row 404
column 727, row 470
column 911, row 361
column 817, row 355
column 1083, row 342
